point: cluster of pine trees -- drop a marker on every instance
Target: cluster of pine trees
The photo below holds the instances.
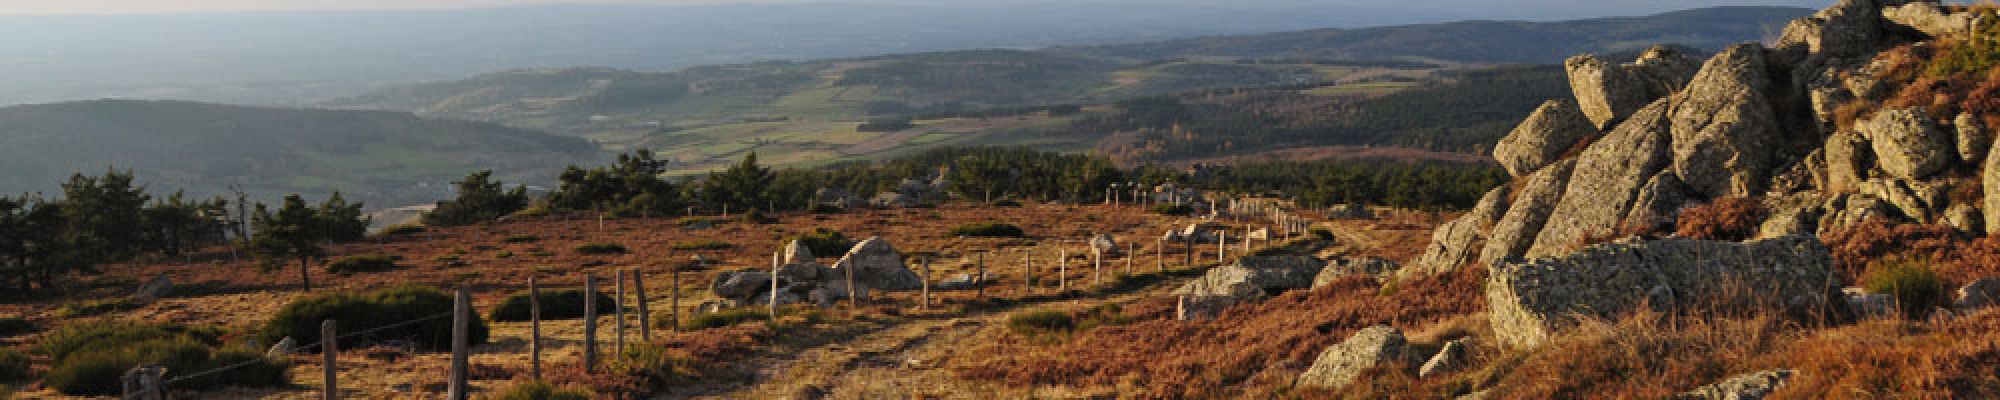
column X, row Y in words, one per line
column 107, row 219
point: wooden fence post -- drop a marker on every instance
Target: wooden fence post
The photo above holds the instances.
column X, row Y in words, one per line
column 618, row 313
column 774, row 285
column 1160, row 253
column 1062, row 268
column 981, row 278
column 1096, row 266
column 534, row 329
column 645, row 318
column 853, row 296
column 1189, row 243
column 461, row 345
column 1221, row 246
column 1131, row 252
column 1028, row 269
column 589, row 323
column 674, row 294
column 329, row 350
column 926, row 303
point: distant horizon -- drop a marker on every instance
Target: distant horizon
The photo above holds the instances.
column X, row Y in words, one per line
column 230, row 7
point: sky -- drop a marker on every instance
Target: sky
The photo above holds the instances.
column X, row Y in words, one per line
column 40, row 7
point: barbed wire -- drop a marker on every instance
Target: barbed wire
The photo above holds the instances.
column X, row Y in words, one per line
column 306, row 347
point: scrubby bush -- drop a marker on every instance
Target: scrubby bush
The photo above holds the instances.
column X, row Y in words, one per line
column 95, row 307
column 1173, row 209
column 90, row 357
column 1005, row 203
column 601, row 248
column 405, row 229
column 723, row 318
column 300, row 320
column 10, row 326
column 1321, row 233
column 987, row 229
column 703, row 245
column 1729, row 218
column 1915, row 286
column 1040, row 321
column 521, row 239
column 363, row 263
column 539, row 390
column 823, row 241
column 756, row 216
column 556, row 304
column 13, row 365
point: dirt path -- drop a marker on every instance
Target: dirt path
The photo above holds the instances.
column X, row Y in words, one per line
column 905, row 361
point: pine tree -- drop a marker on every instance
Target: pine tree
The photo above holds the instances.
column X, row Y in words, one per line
column 293, row 232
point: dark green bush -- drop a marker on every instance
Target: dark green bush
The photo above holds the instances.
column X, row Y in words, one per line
column 1321, row 233
column 556, row 304
column 539, row 390
column 1040, row 321
column 824, row 242
column 13, row 365
column 703, row 245
column 987, row 229
column 756, row 216
column 362, row 263
column 10, row 326
column 521, row 239
column 723, row 318
column 95, row 307
column 826, row 209
column 89, row 358
column 1005, row 203
column 601, row 248
column 1916, row 287
column 1173, row 209
column 300, row 320
column 400, row 230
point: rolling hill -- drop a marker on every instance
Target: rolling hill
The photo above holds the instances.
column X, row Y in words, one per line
column 379, row 157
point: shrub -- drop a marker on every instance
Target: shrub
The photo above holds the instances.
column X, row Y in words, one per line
column 723, row 318
column 405, row 229
column 1040, row 321
column 95, row 307
column 73, row 337
column 1321, row 233
column 300, row 319
column 1173, row 209
column 13, row 365
column 521, row 239
column 363, row 263
column 1005, row 203
column 1730, row 218
column 1915, row 286
column 556, row 304
column 987, row 229
column 89, row 357
column 823, row 241
column 826, row 209
column 703, row 245
column 756, row 216
column 539, row 390
column 601, row 248
column 10, row 326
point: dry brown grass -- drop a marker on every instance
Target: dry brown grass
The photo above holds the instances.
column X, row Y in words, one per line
column 1729, row 218
column 1251, row 350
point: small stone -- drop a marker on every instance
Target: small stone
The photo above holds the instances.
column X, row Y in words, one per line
column 154, row 288
column 282, row 349
column 1979, row 294
column 1750, row 386
column 1339, row 365
column 1451, row 357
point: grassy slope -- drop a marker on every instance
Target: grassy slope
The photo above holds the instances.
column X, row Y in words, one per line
column 378, row 157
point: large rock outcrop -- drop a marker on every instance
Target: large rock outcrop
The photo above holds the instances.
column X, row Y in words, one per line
column 1848, row 28
column 1606, row 180
column 1376, row 267
column 1456, row 243
column 1929, row 18
column 1340, row 364
column 1529, row 301
column 1724, row 129
column 1516, row 230
column 1548, row 132
column 877, row 265
column 1908, row 144
column 1606, row 93
column 1255, row 277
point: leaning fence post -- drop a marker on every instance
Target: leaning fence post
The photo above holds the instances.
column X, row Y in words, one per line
column 618, row 313
column 461, row 330
column 645, row 319
column 534, row 329
column 329, row 349
column 589, row 322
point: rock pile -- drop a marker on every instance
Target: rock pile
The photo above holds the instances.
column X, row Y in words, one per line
column 1250, row 278
column 801, row 277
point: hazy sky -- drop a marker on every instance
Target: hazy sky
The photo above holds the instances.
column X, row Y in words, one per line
column 207, row 6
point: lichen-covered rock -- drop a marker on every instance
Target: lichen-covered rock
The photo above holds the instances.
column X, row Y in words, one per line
column 1973, row 140
column 1349, row 211
column 740, row 284
column 1192, row 307
column 1606, row 93
column 1927, row 17
column 1529, row 301
column 1659, row 201
column 1750, row 386
column 1919, row 200
column 1365, row 266
column 1103, row 244
column 1606, row 180
column 1797, row 214
column 877, row 265
column 1848, row 210
column 1255, row 277
column 1990, row 185
column 1869, row 305
column 1907, row 143
column 1552, row 129
column 1453, row 356
column 1725, row 132
column 1455, row 243
column 1516, row 230
column 1848, row 161
column 1964, row 218
column 1341, row 363
column 797, row 253
column 1981, row 293
column 154, row 288
column 1849, row 27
